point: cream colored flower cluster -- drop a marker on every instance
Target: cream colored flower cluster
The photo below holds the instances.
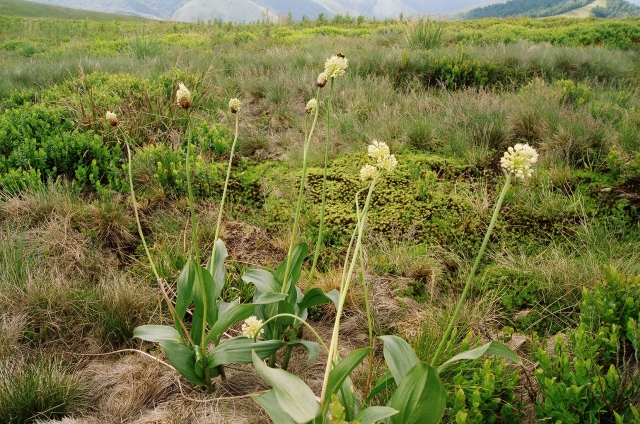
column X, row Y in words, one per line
column 519, row 159
column 312, row 105
column 251, row 327
column 234, row 105
column 334, row 67
column 379, row 151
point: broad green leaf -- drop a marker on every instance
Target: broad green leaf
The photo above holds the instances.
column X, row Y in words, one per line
column 263, row 280
column 374, row 414
column 269, row 403
column 237, row 350
column 201, row 357
column 399, row 355
column 343, row 368
column 223, row 306
column 265, row 298
column 491, row 348
column 232, row 315
column 183, row 359
column 334, row 295
column 157, row 333
column 185, row 287
column 294, row 397
column 313, row 297
column 217, row 270
column 348, row 398
column 312, row 348
column 198, row 297
column 298, row 254
column 384, row 382
column 420, row 397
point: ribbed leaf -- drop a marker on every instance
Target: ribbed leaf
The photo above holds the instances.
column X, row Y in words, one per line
column 313, row 297
column 298, row 254
column 399, row 356
column 269, row 403
column 233, row 314
column 294, row 397
column 420, row 397
column 157, row 333
column 265, row 298
column 237, row 350
column 312, row 348
column 374, row 414
column 491, row 348
column 263, row 280
column 183, row 359
column 384, row 382
column 217, row 270
column 343, row 368
column 185, row 287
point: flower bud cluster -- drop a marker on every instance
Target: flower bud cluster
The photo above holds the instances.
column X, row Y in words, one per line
column 334, row 67
column 312, row 105
column 519, row 159
column 111, row 118
column 234, row 105
column 183, row 97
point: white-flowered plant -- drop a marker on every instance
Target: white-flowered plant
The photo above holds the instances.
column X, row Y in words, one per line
column 183, row 97
column 234, row 105
column 335, row 66
column 312, row 105
column 519, row 160
column 368, row 172
column 252, row 327
column 111, row 118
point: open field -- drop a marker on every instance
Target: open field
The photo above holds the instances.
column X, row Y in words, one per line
column 448, row 98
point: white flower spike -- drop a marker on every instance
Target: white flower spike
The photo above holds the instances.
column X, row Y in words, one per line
column 183, row 97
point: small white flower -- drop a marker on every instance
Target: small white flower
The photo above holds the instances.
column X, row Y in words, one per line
column 519, row 159
column 111, row 118
column 387, row 162
column 368, row 172
column 312, row 105
column 335, row 66
column 183, row 96
column 234, row 105
column 251, row 326
column 378, row 149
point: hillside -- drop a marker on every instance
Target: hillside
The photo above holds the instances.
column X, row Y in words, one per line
column 37, row 10
column 548, row 8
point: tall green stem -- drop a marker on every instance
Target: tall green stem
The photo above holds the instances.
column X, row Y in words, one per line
column 324, row 185
column 333, row 347
column 176, row 318
column 467, row 286
column 224, row 195
column 303, row 178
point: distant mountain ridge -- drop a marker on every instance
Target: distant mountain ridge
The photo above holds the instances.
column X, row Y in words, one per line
column 245, row 10
column 547, row 8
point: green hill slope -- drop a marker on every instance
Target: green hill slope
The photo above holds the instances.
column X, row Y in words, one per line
column 547, row 8
column 38, row 10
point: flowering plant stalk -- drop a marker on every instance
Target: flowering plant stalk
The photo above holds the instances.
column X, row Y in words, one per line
column 188, row 349
column 292, row 302
column 517, row 161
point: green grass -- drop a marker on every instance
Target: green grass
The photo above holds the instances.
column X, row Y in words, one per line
column 28, row 9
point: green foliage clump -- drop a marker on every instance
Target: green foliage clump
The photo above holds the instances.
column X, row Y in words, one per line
column 41, row 142
column 574, row 93
column 40, row 389
column 616, row 9
column 591, row 367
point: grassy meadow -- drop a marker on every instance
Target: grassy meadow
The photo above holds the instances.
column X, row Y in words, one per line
column 449, row 98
